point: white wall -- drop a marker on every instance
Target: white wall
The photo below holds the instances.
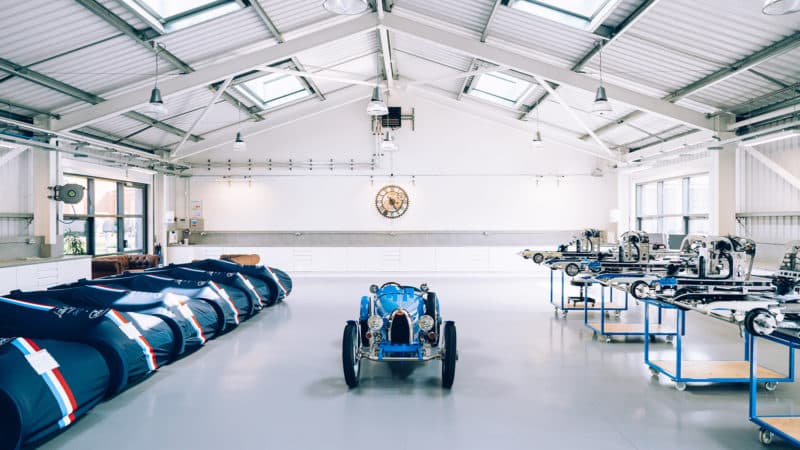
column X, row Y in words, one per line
column 771, row 203
column 16, row 181
column 471, row 174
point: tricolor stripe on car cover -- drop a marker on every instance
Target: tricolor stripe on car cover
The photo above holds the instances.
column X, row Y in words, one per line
column 278, row 280
column 187, row 314
column 135, row 335
column 26, row 304
column 221, row 292
column 252, row 288
column 52, row 377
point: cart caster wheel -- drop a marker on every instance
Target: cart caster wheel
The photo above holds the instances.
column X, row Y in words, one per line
column 555, row 313
column 618, row 314
column 607, row 340
column 594, row 335
column 669, row 339
column 680, row 386
column 765, row 436
column 653, row 372
column 564, row 314
column 770, row 386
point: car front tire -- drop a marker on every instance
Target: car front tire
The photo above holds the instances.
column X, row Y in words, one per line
column 351, row 360
column 450, row 355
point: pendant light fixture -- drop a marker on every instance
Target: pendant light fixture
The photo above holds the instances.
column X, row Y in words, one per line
column 601, row 105
column 780, row 7
column 376, row 106
column 156, row 106
column 346, row 7
column 537, row 138
column 239, row 145
column 388, row 144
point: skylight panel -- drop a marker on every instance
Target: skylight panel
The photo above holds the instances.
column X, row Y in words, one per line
column 276, row 89
column 166, row 9
column 500, row 88
column 575, row 13
column 169, row 15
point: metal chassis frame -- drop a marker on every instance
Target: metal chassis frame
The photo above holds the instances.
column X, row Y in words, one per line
column 585, row 308
column 753, row 405
column 602, row 330
column 678, row 377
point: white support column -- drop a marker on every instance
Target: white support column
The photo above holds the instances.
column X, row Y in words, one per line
column 722, row 213
column 44, row 209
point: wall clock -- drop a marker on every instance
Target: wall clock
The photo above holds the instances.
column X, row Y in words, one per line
column 391, row 201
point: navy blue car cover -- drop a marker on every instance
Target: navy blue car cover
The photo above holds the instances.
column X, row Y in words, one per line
column 45, row 386
column 172, row 309
column 283, row 278
column 133, row 345
column 265, row 281
column 241, row 292
column 207, row 291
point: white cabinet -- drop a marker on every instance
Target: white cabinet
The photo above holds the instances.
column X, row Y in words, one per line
column 40, row 276
column 180, row 255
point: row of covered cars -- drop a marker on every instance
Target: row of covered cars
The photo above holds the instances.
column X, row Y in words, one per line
column 710, row 274
column 65, row 349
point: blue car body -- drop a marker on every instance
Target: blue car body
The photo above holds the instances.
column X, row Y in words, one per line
column 388, row 300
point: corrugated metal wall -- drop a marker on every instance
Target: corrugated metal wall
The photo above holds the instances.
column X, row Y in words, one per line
column 16, row 181
column 767, row 206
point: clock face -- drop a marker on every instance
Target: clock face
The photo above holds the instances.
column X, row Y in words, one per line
column 391, row 201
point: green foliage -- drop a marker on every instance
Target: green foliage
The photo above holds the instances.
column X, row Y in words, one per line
column 73, row 244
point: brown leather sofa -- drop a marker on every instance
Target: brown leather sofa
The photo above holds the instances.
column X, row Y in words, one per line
column 104, row 266
column 245, row 260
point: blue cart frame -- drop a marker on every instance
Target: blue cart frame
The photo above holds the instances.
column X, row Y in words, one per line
column 678, row 373
column 585, row 308
column 786, row 426
column 623, row 329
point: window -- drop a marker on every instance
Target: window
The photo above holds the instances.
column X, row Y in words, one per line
column 271, row 90
column 110, row 219
column 675, row 206
column 500, row 88
column 170, row 15
column 575, row 13
column 276, row 89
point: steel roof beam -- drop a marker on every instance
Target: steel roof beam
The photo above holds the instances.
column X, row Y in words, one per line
column 744, row 64
column 143, row 39
column 766, row 53
column 544, row 70
column 618, row 31
column 29, row 108
column 303, row 111
column 485, row 33
column 262, row 14
column 214, row 73
column 53, row 84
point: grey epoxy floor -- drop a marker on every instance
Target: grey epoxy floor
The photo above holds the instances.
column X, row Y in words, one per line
column 525, row 379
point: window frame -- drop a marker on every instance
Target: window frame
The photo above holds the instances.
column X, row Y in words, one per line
column 91, row 217
column 245, row 91
column 587, row 20
column 162, row 25
column 659, row 217
column 498, row 100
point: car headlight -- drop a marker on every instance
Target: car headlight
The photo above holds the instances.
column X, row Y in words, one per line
column 426, row 322
column 375, row 323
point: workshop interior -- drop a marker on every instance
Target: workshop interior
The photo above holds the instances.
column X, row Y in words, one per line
column 390, row 224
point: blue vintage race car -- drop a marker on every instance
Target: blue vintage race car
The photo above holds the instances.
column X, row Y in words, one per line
column 399, row 323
